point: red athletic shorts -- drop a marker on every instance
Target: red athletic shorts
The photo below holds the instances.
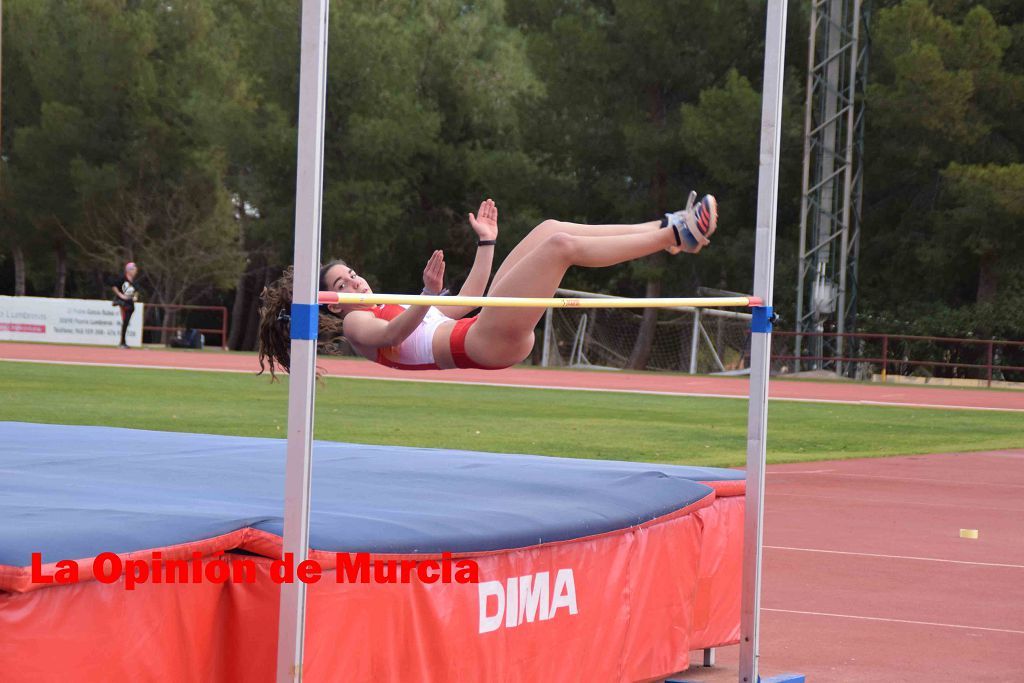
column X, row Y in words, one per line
column 458, row 347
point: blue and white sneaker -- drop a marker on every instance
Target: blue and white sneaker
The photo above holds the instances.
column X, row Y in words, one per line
column 695, row 224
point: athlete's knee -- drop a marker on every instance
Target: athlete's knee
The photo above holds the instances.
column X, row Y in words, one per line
column 562, row 243
column 548, row 226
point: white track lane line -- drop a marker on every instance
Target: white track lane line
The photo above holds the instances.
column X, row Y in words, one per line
column 895, row 621
column 897, row 557
column 913, row 503
column 689, row 394
column 856, row 475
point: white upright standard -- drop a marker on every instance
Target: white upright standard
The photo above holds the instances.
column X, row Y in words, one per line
column 302, row 375
column 309, row 188
column 761, row 338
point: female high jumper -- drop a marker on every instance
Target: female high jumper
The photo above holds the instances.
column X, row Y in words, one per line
column 441, row 337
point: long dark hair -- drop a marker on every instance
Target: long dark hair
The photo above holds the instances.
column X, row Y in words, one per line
column 275, row 322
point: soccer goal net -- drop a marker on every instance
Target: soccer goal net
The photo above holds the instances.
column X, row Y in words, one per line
column 694, row 340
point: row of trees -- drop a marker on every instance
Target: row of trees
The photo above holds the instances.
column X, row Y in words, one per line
column 163, row 131
column 944, row 240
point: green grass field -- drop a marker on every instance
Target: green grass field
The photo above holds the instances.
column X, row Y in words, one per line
column 681, row 430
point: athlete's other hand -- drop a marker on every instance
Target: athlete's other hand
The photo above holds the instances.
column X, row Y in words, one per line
column 485, row 223
column 433, row 274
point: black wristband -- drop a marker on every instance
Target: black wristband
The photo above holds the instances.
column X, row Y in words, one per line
column 486, row 243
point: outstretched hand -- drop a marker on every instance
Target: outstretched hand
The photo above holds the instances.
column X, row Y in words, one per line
column 433, row 274
column 485, row 223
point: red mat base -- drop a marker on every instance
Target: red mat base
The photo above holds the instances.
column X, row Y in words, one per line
column 624, row 606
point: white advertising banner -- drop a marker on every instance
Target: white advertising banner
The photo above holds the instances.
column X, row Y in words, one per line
column 66, row 321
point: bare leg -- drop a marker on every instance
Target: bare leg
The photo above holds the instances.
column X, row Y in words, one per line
column 550, row 227
column 503, row 336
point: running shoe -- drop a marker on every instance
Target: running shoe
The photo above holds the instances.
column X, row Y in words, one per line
column 696, row 223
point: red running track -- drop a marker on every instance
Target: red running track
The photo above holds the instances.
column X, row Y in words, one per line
column 866, row 577
column 735, row 387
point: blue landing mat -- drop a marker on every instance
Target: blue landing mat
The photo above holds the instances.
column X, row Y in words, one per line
column 74, row 492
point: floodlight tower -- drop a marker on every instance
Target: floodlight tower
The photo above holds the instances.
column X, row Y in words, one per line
column 830, row 208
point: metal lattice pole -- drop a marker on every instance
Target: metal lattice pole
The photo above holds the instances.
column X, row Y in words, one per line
column 831, row 192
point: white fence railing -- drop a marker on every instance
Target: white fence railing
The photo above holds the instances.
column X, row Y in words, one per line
column 686, row 339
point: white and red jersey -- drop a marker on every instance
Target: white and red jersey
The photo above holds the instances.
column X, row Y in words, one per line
column 417, row 351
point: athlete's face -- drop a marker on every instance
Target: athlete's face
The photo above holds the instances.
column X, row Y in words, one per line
column 343, row 279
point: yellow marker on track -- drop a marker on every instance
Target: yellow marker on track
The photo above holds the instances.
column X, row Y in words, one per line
column 968, row 533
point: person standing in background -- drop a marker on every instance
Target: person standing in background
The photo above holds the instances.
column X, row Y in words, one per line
column 126, row 295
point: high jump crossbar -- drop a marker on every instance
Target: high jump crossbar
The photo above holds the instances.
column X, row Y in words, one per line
column 534, row 302
column 304, row 316
column 712, row 312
